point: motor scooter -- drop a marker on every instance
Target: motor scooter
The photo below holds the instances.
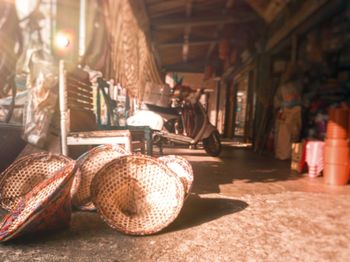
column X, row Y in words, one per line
column 187, row 122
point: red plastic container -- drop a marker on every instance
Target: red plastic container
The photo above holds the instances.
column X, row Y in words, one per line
column 336, row 142
column 336, row 131
column 334, row 174
column 337, row 126
column 338, row 115
column 336, row 154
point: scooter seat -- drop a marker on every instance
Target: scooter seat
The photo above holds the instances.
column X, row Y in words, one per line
column 163, row 110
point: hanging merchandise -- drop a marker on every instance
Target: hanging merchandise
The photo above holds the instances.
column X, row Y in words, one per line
column 288, row 125
column 224, row 49
column 313, row 48
column 208, row 72
column 10, row 50
column 42, row 98
column 233, row 57
column 129, row 60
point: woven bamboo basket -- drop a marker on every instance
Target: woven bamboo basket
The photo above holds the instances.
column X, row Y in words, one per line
column 27, row 172
column 182, row 168
column 89, row 163
column 46, row 207
column 137, row 194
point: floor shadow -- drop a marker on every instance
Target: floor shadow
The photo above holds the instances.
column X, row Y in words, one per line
column 11, row 144
column 198, row 210
column 238, row 165
column 30, row 239
column 88, row 225
column 83, row 225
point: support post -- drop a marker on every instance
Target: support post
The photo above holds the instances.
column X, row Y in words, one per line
column 218, row 94
column 63, row 106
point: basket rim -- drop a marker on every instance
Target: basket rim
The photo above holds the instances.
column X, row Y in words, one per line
column 91, row 153
column 23, row 162
column 82, row 160
column 170, row 159
column 67, row 172
column 179, row 190
column 29, row 158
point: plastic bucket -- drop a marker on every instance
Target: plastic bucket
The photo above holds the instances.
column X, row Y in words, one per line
column 337, row 142
column 339, row 116
column 337, row 126
column 336, row 131
column 336, row 154
column 336, row 174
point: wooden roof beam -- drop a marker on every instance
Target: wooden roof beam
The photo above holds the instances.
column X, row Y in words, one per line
column 191, row 42
column 164, row 7
column 306, row 10
column 268, row 11
column 201, row 21
column 195, row 66
column 258, row 7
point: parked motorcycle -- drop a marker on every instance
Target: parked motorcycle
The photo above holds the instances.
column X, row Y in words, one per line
column 187, row 122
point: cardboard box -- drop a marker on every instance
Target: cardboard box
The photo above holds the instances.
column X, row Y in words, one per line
column 157, row 94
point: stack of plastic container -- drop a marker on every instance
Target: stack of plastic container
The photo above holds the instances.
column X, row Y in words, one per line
column 314, row 157
column 336, row 149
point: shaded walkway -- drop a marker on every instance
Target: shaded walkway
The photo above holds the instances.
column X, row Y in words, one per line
column 244, row 207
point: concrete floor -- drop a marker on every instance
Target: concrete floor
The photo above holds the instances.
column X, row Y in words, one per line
column 244, row 207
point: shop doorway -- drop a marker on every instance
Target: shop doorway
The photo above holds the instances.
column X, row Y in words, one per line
column 241, row 101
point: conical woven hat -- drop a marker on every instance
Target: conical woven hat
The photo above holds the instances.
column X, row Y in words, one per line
column 89, row 163
column 46, row 207
column 25, row 173
column 182, row 168
column 137, row 194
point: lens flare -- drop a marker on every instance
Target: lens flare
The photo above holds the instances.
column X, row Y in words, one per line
column 62, row 40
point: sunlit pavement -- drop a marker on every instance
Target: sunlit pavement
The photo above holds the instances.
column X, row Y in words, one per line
column 244, row 207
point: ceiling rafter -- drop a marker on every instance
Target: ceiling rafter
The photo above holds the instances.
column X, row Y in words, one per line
column 195, row 66
column 306, row 10
column 202, row 21
column 192, row 42
column 256, row 5
column 165, row 6
column 268, row 10
column 184, row 30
